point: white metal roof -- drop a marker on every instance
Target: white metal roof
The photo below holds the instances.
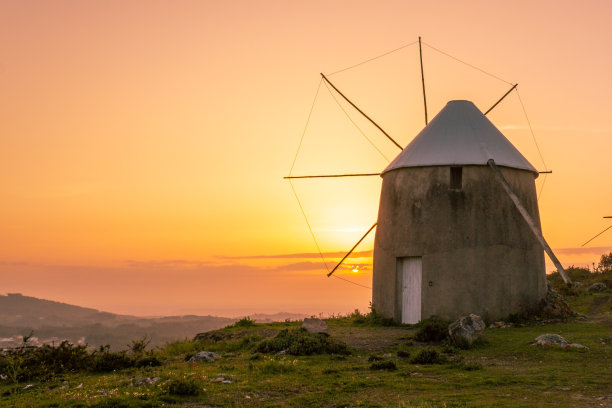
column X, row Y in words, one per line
column 460, row 135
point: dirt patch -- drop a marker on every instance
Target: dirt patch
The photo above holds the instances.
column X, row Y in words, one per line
column 371, row 338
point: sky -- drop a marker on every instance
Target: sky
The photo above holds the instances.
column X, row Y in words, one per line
column 143, row 144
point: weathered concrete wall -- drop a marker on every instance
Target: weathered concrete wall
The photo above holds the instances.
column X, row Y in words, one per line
column 479, row 256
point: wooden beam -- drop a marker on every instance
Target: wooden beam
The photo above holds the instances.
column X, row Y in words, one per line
column 423, row 80
column 333, row 175
column 360, row 111
column 501, row 99
column 352, row 249
column 532, row 225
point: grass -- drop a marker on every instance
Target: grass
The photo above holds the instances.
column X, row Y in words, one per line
column 384, row 369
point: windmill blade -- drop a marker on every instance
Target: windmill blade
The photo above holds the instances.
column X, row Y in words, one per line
column 598, row 234
column 532, row 225
column 333, row 175
column 360, row 111
column 501, row 99
column 608, row 216
column 352, row 249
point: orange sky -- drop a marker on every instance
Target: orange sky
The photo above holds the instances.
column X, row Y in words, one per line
column 143, row 144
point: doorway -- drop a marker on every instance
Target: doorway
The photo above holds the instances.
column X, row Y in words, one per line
column 410, row 276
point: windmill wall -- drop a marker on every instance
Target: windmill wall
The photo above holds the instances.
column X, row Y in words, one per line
column 478, row 254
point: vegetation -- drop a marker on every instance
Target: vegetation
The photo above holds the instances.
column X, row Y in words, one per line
column 300, row 342
column 278, row 364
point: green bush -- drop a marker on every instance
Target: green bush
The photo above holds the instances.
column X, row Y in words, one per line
column 371, row 319
column 244, row 322
column 433, row 329
column 302, row 343
column 403, row 353
column 387, row 365
column 428, row 356
column 183, row 387
column 103, row 360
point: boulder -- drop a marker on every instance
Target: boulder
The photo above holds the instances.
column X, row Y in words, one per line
column 314, row 325
column 547, row 340
column 204, row 356
column 598, row 287
column 555, row 340
column 464, row 331
column 553, row 306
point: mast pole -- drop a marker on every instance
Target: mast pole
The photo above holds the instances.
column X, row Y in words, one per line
column 423, row 80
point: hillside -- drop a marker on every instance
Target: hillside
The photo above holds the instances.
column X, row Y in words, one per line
column 52, row 321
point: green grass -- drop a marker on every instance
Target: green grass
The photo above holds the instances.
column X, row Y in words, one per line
column 502, row 370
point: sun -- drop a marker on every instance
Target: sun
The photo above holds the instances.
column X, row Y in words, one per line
column 355, row 269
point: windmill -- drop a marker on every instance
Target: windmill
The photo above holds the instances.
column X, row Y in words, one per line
column 458, row 227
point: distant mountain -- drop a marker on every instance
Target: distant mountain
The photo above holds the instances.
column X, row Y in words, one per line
column 52, row 321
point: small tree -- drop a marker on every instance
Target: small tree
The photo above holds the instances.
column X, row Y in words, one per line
column 605, row 264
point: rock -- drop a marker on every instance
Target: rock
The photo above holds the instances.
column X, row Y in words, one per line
column 546, row 340
column 204, row 356
column 314, row 325
column 464, row 331
column 598, row 287
column 554, row 340
column 553, row 306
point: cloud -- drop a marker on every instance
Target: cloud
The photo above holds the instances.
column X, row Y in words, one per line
column 303, row 255
column 583, row 251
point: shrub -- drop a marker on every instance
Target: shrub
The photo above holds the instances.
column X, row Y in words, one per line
column 403, row 353
column 104, row 360
column 244, row 322
column 150, row 361
column 433, row 329
column 302, row 343
column 183, row 387
column 383, row 365
column 371, row 319
column 428, row 356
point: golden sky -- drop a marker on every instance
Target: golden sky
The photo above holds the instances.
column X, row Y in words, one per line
column 143, row 144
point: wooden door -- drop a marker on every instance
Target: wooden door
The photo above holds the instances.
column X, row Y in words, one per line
column 411, row 276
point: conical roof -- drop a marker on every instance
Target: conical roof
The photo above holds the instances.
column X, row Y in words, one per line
column 460, row 135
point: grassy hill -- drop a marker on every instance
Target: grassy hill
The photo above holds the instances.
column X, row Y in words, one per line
column 385, row 366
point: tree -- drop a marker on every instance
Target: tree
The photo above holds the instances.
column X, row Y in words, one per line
column 605, row 264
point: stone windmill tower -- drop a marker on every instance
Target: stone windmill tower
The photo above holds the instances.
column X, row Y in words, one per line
column 458, row 227
column 449, row 240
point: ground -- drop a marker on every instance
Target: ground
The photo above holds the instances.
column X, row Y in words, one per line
column 501, row 370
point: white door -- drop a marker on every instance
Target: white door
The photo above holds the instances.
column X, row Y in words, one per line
column 410, row 270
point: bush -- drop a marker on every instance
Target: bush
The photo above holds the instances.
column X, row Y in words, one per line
column 383, row 365
column 403, row 353
column 104, row 360
column 371, row 319
column 244, row 322
column 302, row 343
column 26, row 363
column 428, row 356
column 433, row 329
column 184, row 387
